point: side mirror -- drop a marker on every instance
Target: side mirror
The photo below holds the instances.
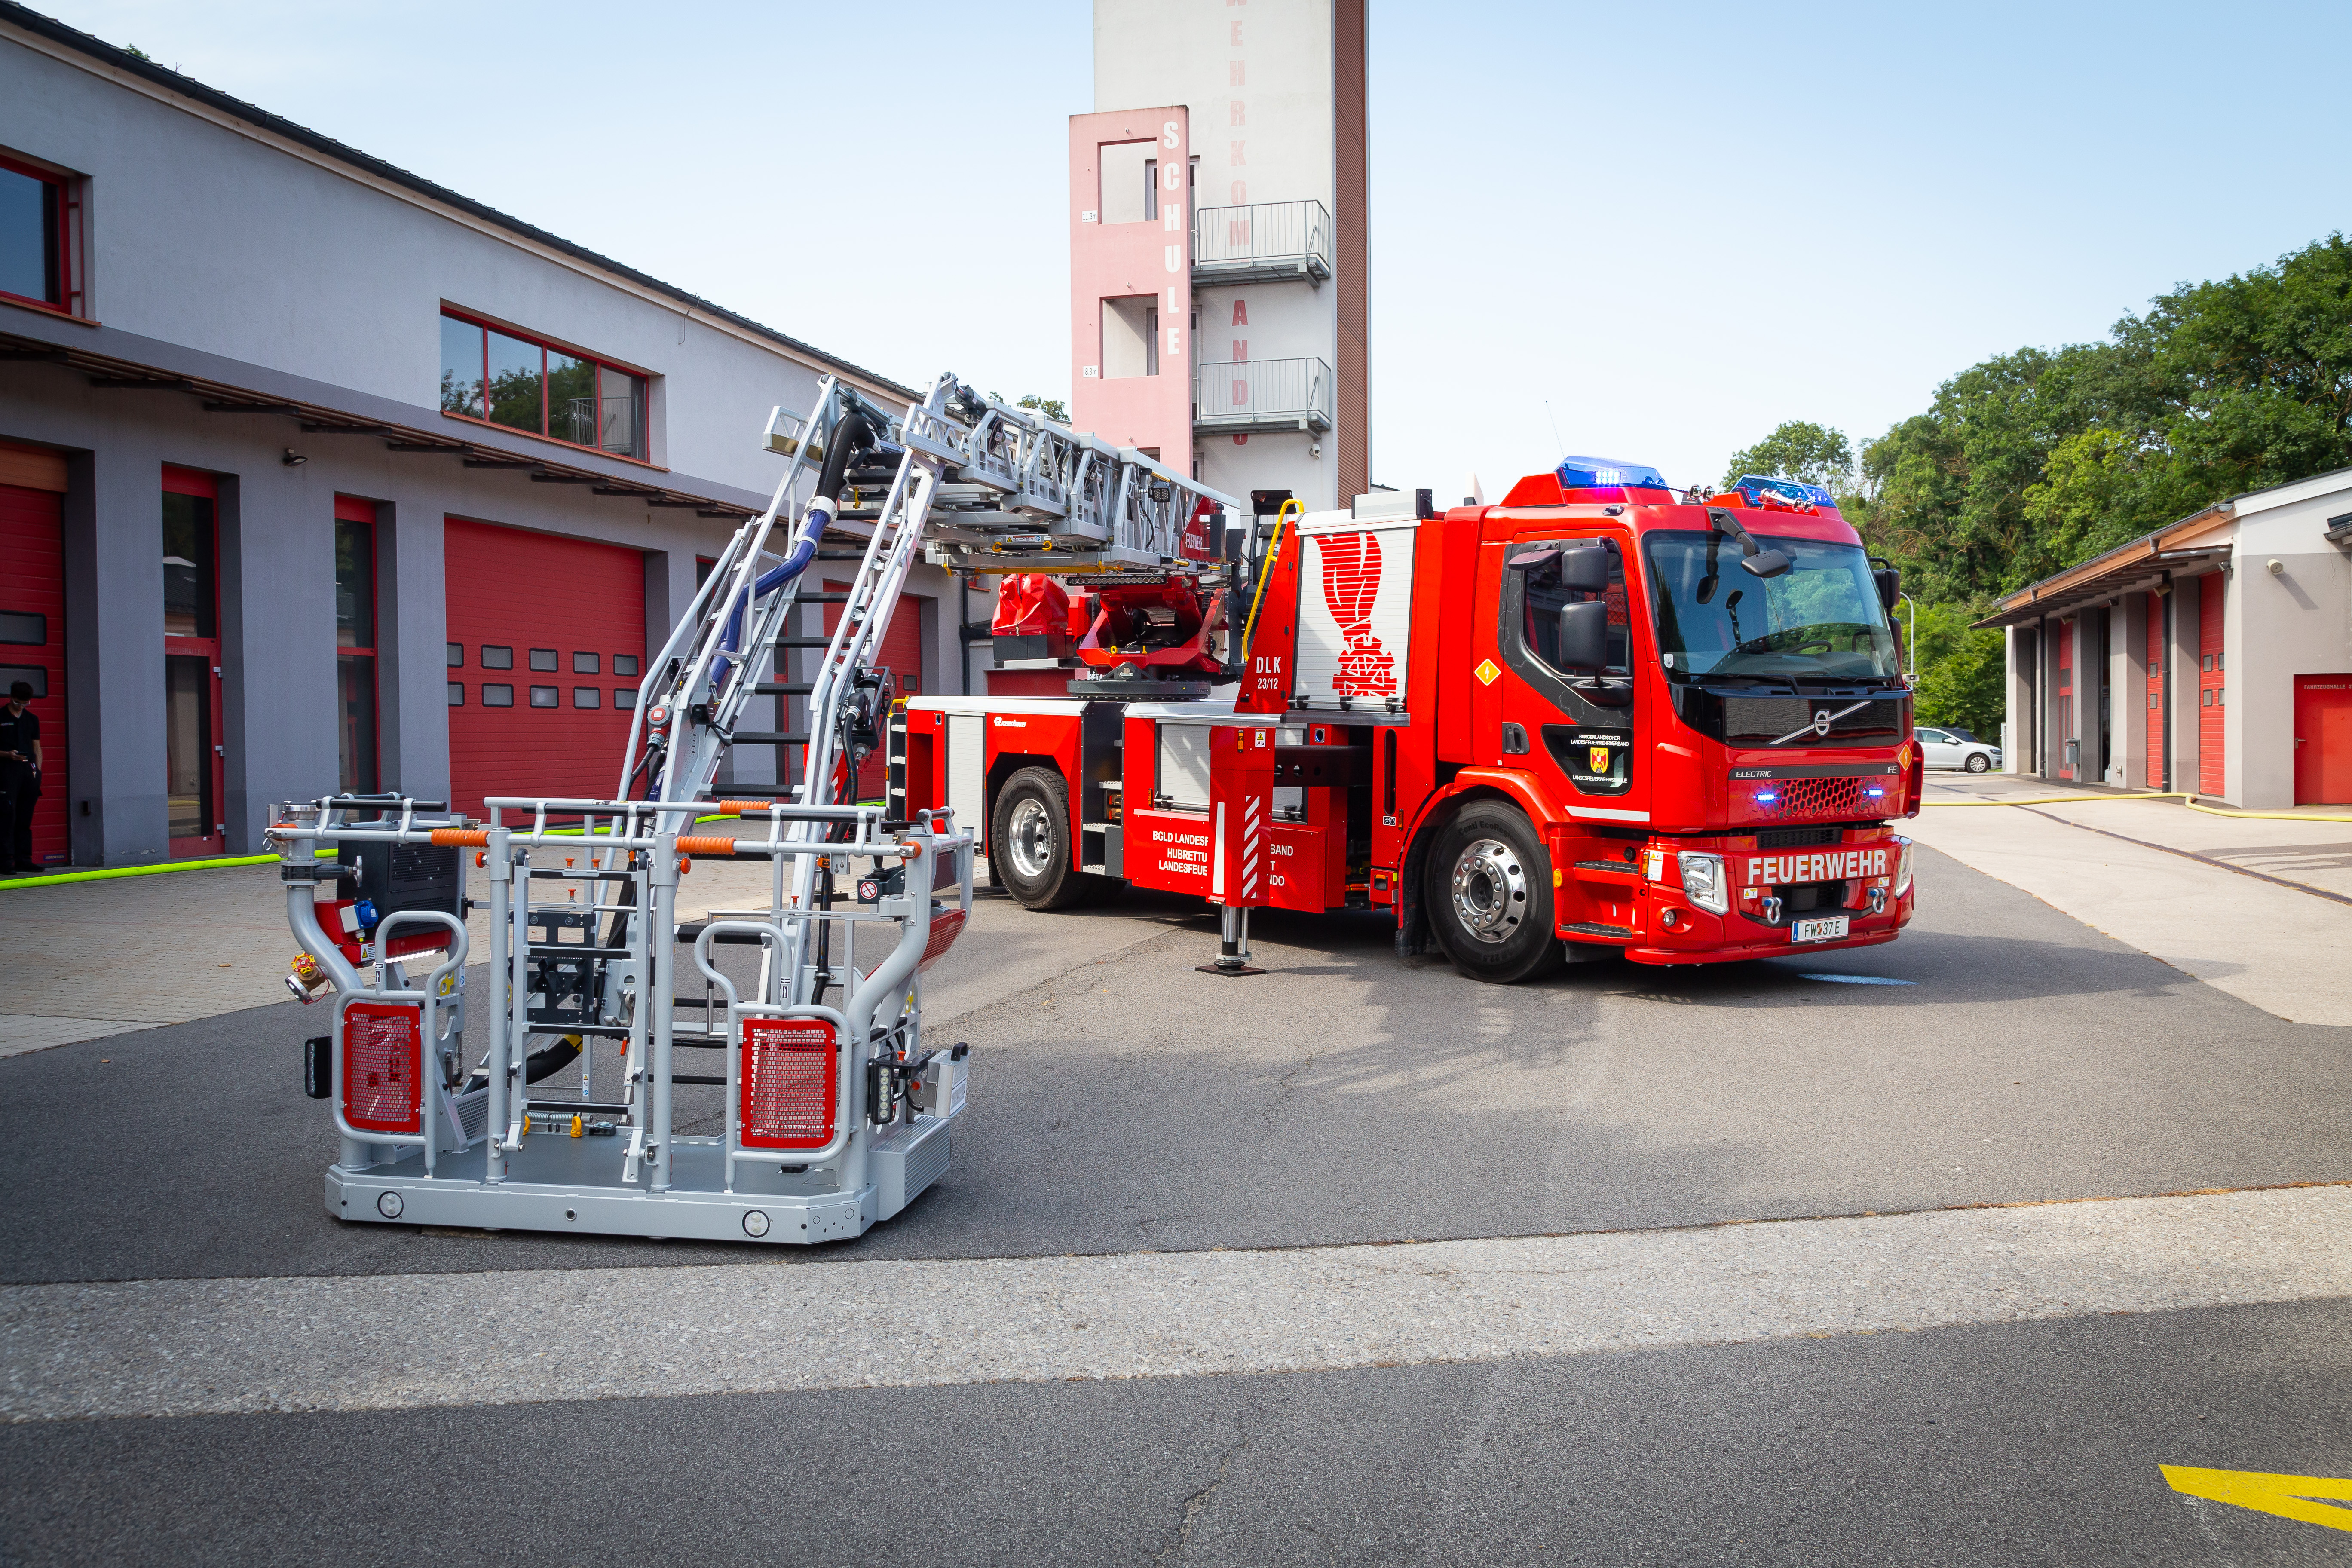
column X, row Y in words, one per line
column 1764, row 562
column 1585, row 569
column 1890, row 586
column 1584, row 636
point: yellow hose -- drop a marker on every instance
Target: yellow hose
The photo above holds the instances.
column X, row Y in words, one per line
column 2186, row 799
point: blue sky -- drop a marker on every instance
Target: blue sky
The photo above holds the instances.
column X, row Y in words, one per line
column 1678, row 224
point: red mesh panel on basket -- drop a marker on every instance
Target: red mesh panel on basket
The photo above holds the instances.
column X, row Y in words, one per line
column 790, row 1078
column 945, row 928
column 1819, row 797
column 383, row 1066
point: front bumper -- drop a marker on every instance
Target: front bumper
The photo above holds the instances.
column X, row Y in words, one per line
column 1669, row 928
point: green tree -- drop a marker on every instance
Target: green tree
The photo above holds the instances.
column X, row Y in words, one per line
column 1797, row 449
column 1051, row 407
column 1961, row 672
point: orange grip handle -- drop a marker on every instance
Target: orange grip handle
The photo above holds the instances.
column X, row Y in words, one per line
column 478, row 838
column 740, row 807
column 705, row 844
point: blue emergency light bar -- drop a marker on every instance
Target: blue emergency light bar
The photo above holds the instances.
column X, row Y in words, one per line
column 1753, row 485
column 1607, row 473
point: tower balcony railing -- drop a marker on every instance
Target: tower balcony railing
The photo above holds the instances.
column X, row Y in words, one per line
column 1245, row 395
column 1267, row 242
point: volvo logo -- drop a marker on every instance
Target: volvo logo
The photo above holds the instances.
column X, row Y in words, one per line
column 1822, row 719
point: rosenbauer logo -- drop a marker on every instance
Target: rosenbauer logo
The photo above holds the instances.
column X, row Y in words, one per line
column 1351, row 586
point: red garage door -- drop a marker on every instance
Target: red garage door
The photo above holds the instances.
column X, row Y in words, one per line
column 547, row 639
column 2213, row 686
column 902, row 655
column 33, row 622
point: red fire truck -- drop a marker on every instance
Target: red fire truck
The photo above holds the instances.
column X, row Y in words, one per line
column 1603, row 716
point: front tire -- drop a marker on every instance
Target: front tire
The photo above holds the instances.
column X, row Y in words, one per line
column 1977, row 762
column 1029, row 843
column 1488, row 894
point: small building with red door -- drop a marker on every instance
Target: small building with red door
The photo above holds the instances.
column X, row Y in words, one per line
column 317, row 476
column 2213, row 656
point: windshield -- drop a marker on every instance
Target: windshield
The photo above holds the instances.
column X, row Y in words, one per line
column 1820, row 621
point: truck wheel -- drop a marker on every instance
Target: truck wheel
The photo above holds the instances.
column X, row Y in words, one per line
column 1979, row 763
column 1490, row 894
column 1029, row 842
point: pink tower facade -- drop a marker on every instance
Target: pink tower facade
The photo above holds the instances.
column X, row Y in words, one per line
column 1132, row 280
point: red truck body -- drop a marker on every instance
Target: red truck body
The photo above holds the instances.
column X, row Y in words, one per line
column 1703, row 795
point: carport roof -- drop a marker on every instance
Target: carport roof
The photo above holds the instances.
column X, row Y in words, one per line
column 2143, row 563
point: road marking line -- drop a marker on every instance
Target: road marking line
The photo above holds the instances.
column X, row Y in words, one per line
column 188, row 1347
column 2286, row 1495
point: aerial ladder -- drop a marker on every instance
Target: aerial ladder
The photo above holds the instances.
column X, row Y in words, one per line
column 833, row 1113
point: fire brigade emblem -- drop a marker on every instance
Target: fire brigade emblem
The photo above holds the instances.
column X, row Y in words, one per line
column 1599, row 757
column 1351, row 585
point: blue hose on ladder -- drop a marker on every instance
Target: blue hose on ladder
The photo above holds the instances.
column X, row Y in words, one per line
column 852, row 434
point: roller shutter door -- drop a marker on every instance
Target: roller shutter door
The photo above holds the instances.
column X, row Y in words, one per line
column 902, row 656
column 33, row 605
column 2213, row 686
column 576, row 604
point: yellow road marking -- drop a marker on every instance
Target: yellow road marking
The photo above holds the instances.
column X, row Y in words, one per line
column 2289, row 1497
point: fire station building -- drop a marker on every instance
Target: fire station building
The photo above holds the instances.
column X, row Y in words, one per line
column 317, row 475
column 2213, row 656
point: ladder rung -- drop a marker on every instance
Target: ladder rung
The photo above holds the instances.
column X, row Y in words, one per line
column 820, row 598
column 841, row 555
column 769, row 738
column 803, row 642
column 783, row 688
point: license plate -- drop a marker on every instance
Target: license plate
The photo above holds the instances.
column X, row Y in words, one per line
column 1828, row 928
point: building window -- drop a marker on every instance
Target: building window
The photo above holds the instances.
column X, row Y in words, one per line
column 191, row 658
column 545, row 697
column 355, row 643
column 540, row 388
column 587, row 696
column 625, row 697
column 543, row 659
column 497, row 695
column 40, row 212
column 624, row 664
column 583, row 664
column 456, row 694
column 456, row 655
column 496, row 658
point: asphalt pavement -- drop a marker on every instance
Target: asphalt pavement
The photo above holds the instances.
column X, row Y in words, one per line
column 1999, row 1053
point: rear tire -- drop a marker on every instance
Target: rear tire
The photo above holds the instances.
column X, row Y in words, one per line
column 1488, row 893
column 1977, row 762
column 1030, row 852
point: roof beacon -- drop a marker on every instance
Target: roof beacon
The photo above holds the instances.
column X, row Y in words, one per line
column 1800, row 496
column 1609, row 475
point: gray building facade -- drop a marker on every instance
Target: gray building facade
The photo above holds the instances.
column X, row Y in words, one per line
column 200, row 297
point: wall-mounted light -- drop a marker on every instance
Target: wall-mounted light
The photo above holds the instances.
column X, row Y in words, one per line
column 2276, row 566
column 293, row 460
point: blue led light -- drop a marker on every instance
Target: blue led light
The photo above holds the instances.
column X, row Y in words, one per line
column 1768, row 797
column 1755, row 485
column 1607, row 473
column 1873, row 792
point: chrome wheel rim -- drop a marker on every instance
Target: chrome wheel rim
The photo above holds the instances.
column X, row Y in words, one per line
column 1490, row 891
column 1030, row 838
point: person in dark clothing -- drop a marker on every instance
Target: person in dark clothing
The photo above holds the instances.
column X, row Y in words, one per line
column 20, row 780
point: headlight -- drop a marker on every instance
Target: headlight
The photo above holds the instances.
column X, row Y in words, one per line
column 1902, row 869
column 1703, row 881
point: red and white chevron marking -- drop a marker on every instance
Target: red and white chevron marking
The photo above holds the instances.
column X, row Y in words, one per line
column 1253, row 856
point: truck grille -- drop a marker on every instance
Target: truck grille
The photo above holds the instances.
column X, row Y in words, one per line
column 1760, row 721
column 1803, row 799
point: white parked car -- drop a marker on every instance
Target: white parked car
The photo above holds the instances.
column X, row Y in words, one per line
column 1949, row 748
